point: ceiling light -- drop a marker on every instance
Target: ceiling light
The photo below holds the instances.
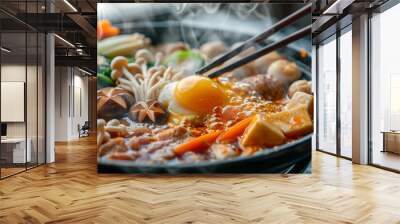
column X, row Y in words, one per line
column 84, row 71
column 70, row 5
column 64, row 40
column 5, row 50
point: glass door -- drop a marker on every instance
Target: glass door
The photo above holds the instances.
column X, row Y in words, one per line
column 14, row 153
column 22, row 91
column 327, row 96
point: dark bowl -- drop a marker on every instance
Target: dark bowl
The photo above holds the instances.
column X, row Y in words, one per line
column 293, row 157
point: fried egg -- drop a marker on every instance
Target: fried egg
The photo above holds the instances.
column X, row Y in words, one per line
column 193, row 95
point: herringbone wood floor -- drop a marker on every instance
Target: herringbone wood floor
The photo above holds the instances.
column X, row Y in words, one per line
column 70, row 191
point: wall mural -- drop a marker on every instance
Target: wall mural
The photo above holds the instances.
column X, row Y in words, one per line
column 157, row 114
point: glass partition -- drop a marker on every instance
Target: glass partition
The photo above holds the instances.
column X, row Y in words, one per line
column 22, row 91
column 385, row 89
column 346, row 93
column 32, row 96
column 41, row 97
column 15, row 151
column 327, row 97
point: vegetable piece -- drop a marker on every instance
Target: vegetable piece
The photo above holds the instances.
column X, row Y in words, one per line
column 103, row 81
column 294, row 122
column 123, row 45
column 113, row 102
column 105, row 29
column 188, row 61
column 236, row 130
column 198, row 144
column 300, row 98
column 262, row 133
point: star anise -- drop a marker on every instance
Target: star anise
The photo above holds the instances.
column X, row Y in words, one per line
column 142, row 110
column 113, row 102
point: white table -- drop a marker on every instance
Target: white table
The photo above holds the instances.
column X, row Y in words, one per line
column 18, row 149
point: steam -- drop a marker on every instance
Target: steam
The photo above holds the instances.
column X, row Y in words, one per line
column 194, row 23
column 211, row 8
column 242, row 10
column 216, row 19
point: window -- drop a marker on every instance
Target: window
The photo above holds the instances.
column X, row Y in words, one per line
column 346, row 94
column 385, row 88
column 327, row 97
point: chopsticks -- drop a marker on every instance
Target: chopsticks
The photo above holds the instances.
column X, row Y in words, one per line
column 257, row 39
column 263, row 51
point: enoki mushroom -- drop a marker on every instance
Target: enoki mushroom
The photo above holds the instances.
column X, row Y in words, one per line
column 145, row 83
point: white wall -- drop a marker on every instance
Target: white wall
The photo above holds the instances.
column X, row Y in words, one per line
column 16, row 73
column 71, row 94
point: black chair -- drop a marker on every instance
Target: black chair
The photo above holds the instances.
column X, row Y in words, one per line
column 84, row 130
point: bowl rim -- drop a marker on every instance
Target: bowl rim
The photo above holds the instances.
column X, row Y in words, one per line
column 261, row 153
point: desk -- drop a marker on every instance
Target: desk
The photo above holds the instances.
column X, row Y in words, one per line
column 391, row 141
column 13, row 150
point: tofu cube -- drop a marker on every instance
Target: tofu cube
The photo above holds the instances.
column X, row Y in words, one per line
column 294, row 122
column 300, row 98
column 262, row 133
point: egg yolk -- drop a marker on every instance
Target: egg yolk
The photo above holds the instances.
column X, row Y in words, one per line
column 199, row 94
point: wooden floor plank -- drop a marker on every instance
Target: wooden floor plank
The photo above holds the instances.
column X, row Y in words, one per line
column 71, row 191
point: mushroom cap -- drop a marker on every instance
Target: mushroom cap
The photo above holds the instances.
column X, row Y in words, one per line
column 113, row 122
column 115, row 74
column 134, row 68
column 119, row 62
column 100, row 124
column 145, row 54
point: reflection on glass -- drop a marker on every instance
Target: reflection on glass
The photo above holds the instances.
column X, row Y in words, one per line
column 41, row 99
column 327, row 97
column 385, row 85
column 22, row 90
column 14, row 149
column 346, row 94
column 31, row 99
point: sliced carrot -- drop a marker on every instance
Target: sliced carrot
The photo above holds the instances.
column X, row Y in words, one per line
column 101, row 26
column 112, row 31
column 198, row 144
column 104, row 23
column 236, row 130
column 105, row 29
